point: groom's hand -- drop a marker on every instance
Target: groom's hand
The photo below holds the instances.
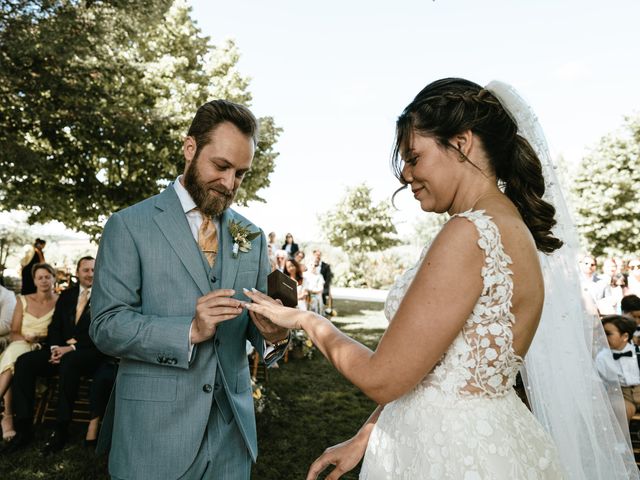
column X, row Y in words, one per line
column 271, row 332
column 211, row 309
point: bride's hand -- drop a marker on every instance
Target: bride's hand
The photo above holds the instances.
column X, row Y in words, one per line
column 277, row 313
column 345, row 456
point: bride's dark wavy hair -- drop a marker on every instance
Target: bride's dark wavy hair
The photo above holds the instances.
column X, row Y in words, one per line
column 451, row 106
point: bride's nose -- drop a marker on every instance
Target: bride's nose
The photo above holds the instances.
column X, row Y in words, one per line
column 407, row 174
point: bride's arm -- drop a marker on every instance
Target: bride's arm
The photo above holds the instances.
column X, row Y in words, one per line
column 433, row 311
column 346, row 455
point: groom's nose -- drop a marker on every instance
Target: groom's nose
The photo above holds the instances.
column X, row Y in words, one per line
column 228, row 178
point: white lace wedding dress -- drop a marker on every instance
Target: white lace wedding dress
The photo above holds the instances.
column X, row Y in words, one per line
column 464, row 420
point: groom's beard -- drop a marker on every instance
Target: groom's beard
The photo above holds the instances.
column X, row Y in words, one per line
column 207, row 202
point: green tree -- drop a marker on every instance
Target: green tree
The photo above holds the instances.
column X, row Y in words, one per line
column 97, row 97
column 427, row 227
column 607, row 194
column 358, row 227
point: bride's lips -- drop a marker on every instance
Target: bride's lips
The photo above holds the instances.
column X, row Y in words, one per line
column 416, row 191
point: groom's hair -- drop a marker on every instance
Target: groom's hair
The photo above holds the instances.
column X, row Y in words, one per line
column 215, row 112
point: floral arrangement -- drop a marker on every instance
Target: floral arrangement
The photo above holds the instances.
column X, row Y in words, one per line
column 301, row 343
column 242, row 237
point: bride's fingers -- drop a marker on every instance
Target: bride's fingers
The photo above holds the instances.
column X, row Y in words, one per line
column 258, row 296
column 257, row 308
column 317, row 467
column 335, row 475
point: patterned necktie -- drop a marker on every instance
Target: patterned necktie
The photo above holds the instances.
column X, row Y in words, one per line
column 208, row 239
column 83, row 299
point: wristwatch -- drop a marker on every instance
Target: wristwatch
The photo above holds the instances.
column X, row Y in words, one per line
column 280, row 343
column 278, row 347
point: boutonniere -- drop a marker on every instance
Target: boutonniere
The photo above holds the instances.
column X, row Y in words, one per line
column 241, row 237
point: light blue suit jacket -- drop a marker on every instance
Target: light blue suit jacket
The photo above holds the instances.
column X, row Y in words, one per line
column 149, row 274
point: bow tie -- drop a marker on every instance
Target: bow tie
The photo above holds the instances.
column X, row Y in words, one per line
column 617, row 356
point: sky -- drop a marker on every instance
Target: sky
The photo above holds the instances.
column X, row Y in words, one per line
column 336, row 74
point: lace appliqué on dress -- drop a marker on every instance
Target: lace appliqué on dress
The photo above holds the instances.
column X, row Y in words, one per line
column 464, row 420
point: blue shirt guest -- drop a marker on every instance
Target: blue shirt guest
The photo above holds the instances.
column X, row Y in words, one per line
column 167, row 301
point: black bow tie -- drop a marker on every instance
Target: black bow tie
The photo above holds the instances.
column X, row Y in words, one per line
column 616, row 356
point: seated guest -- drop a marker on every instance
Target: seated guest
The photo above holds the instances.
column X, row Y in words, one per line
column 314, row 285
column 272, row 247
column 281, row 258
column 592, row 285
column 327, row 275
column 33, row 256
column 620, row 362
column 70, row 353
column 290, row 246
column 633, row 282
column 299, row 257
column 295, row 273
column 630, row 306
column 7, row 306
column 609, row 304
column 99, row 392
column 31, row 318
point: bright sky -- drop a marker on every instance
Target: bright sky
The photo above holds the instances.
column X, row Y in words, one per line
column 335, row 75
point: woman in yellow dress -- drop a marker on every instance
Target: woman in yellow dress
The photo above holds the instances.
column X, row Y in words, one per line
column 29, row 325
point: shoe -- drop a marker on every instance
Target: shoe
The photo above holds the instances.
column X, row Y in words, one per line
column 56, row 442
column 90, row 443
column 20, row 441
column 7, row 431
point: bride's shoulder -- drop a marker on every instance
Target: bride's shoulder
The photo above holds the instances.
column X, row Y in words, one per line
column 460, row 233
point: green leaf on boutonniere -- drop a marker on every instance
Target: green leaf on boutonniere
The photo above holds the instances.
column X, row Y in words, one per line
column 242, row 237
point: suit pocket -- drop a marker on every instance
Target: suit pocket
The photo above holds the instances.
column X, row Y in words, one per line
column 147, row 388
column 243, row 381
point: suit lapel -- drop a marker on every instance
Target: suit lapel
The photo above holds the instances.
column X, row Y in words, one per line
column 225, row 254
column 173, row 224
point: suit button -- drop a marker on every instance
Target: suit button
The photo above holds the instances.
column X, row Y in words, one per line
column 173, row 361
column 206, row 388
column 214, row 279
column 160, row 359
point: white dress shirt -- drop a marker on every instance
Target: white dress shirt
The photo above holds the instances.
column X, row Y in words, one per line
column 625, row 370
column 194, row 218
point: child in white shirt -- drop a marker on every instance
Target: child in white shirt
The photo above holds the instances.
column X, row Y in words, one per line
column 621, row 361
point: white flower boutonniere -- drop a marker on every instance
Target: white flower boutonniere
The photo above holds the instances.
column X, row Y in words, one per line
column 241, row 237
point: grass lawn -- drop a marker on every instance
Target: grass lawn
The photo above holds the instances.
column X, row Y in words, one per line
column 314, row 408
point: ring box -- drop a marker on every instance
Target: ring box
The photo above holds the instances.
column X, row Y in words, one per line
column 282, row 287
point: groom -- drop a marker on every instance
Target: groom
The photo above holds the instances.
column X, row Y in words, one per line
column 166, row 301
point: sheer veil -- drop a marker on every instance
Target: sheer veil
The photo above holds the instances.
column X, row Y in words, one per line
column 585, row 416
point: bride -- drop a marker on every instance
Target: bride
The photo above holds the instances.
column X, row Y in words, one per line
column 443, row 372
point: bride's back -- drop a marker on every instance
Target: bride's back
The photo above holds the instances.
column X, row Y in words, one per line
column 528, row 285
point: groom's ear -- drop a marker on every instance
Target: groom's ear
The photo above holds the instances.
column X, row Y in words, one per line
column 189, row 149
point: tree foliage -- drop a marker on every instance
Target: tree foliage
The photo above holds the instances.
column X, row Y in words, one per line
column 427, row 227
column 358, row 227
column 607, row 193
column 97, row 96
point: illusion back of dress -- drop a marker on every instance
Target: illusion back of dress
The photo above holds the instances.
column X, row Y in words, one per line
column 464, row 419
column 481, row 360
